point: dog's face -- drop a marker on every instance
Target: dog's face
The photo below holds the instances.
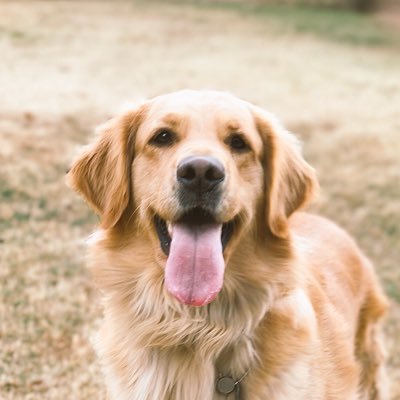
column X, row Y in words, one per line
column 195, row 169
column 198, row 163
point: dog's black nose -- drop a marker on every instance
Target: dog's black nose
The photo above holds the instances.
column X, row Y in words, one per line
column 200, row 174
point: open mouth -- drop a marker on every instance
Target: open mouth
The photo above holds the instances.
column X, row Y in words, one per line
column 194, row 245
column 195, row 217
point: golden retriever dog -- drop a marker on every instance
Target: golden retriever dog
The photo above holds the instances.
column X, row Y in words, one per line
column 214, row 285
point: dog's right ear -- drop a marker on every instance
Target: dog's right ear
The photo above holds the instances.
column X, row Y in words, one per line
column 102, row 174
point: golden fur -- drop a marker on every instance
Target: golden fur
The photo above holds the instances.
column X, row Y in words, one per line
column 300, row 307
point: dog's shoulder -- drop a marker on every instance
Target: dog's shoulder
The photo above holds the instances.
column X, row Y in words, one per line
column 336, row 267
column 320, row 239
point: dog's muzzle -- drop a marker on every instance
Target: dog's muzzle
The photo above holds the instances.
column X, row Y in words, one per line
column 194, row 243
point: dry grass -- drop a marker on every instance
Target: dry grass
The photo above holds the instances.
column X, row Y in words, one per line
column 66, row 66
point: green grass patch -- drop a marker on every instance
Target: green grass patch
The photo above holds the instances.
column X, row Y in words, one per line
column 7, row 194
column 328, row 23
column 21, row 216
column 392, row 289
column 10, row 194
column 16, row 36
column 337, row 25
column 89, row 219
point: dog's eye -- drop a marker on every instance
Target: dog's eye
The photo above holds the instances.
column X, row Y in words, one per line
column 237, row 143
column 163, row 138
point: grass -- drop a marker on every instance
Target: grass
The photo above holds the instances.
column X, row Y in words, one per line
column 331, row 77
column 337, row 25
column 327, row 23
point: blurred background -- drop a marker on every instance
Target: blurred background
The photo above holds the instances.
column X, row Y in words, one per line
column 329, row 69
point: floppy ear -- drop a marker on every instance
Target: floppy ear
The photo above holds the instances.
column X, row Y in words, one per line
column 290, row 183
column 102, row 174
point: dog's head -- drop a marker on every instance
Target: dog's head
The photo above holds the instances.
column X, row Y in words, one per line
column 195, row 170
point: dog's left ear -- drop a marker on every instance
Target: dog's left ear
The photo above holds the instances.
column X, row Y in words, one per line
column 290, row 182
column 102, row 174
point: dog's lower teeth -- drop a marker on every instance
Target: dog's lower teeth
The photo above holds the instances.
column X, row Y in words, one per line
column 169, row 228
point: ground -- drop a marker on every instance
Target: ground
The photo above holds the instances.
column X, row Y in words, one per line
column 66, row 66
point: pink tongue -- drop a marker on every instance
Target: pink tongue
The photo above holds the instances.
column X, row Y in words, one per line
column 195, row 267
